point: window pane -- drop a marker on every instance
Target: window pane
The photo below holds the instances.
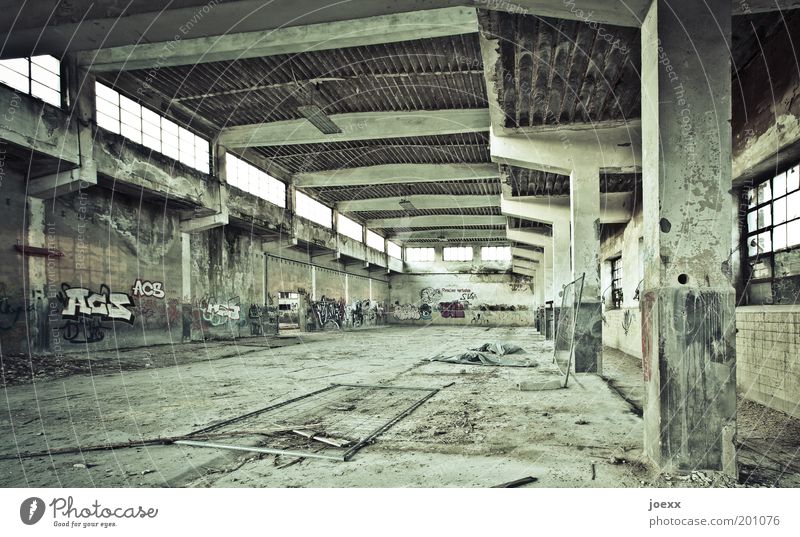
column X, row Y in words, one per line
column 349, row 228
column 104, row 92
column 48, row 95
column 793, row 179
column 752, row 246
column 764, row 243
column 793, row 233
column 779, row 211
column 109, row 123
column 108, row 108
column 375, row 241
column 394, row 250
column 752, row 199
column 131, row 133
column 16, row 80
column 16, row 65
column 779, row 185
column 46, row 78
column 793, row 205
column 47, row 62
column 764, row 217
column 779, row 237
column 764, row 192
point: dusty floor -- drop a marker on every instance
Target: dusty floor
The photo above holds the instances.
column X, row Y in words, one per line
column 478, row 431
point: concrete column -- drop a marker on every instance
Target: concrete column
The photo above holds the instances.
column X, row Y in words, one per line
column 585, row 217
column 688, row 340
column 562, row 265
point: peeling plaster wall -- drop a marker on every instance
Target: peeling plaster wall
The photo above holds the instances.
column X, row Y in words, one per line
column 409, row 292
column 227, row 268
column 622, row 326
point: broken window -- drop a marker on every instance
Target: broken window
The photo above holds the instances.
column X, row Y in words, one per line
column 349, row 228
column 457, row 253
column 38, row 76
column 496, row 253
column 616, row 282
column 772, row 238
column 124, row 116
column 309, row 208
column 420, row 254
column 247, row 177
column 375, row 241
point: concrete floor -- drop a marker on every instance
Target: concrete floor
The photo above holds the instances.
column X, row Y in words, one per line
column 478, row 432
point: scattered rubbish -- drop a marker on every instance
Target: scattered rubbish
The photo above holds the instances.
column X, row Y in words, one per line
column 342, row 408
column 488, row 354
column 81, row 465
column 581, row 422
column 145, row 472
column 517, row 483
column 594, row 470
column 541, row 385
column 448, row 385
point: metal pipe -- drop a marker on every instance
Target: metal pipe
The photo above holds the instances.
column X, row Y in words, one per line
column 256, row 449
column 256, row 412
column 384, row 387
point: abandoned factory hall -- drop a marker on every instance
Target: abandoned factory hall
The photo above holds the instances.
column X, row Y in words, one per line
column 414, row 243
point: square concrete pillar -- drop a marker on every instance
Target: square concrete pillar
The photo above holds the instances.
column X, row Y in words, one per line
column 585, row 217
column 688, row 335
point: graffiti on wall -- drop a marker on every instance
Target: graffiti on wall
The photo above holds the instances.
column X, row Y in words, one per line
column 327, row 314
column 148, row 288
column 84, row 312
column 217, row 314
column 451, row 310
column 262, row 317
column 407, row 312
column 430, row 295
column 10, row 314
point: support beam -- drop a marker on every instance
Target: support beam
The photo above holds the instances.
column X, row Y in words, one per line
column 387, row 174
column 58, row 184
column 525, row 253
column 526, row 264
column 688, row 302
column 287, row 40
column 358, row 126
column 524, row 271
column 613, row 148
column 204, row 223
column 435, row 201
column 451, row 235
column 439, row 220
column 585, row 224
column 615, row 208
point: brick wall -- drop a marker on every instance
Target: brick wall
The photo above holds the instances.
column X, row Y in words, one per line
column 768, row 356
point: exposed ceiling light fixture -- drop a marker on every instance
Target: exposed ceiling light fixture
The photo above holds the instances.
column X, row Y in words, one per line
column 407, row 205
column 317, row 117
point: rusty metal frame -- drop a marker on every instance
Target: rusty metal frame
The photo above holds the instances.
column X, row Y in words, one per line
column 343, row 457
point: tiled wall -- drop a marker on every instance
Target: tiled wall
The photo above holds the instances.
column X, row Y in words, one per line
column 768, row 356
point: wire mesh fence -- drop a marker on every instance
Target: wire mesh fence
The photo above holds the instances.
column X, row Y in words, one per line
column 332, row 423
column 564, row 342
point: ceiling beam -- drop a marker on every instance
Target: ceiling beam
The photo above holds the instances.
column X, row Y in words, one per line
column 451, row 235
column 288, row 40
column 524, row 271
column 525, row 253
column 418, row 201
column 358, row 126
column 530, row 237
column 30, row 29
column 386, row 174
column 439, row 220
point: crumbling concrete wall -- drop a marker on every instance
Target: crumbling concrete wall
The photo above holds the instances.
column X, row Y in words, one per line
column 461, row 299
column 227, row 267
